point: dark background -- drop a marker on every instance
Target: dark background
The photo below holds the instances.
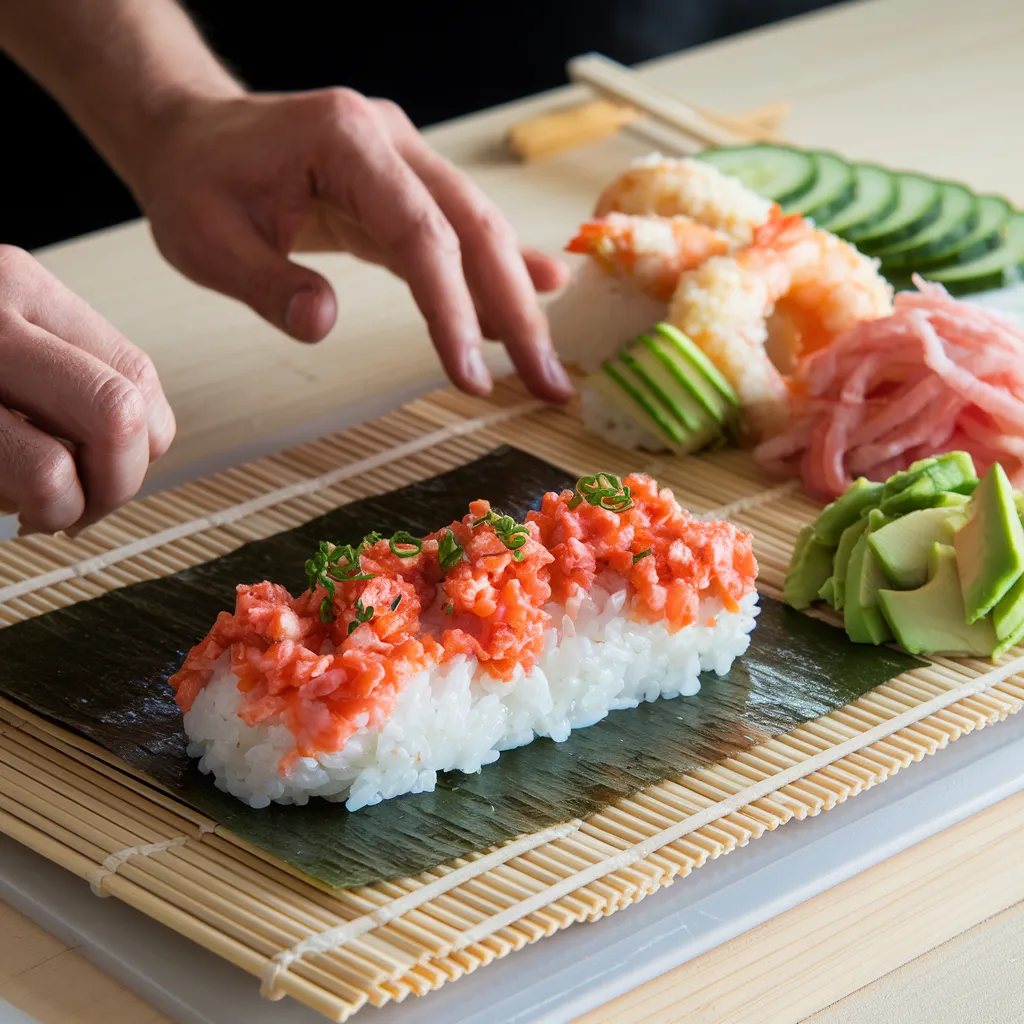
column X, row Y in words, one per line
column 436, row 60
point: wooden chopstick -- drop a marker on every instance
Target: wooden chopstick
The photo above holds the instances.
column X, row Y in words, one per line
column 539, row 138
column 616, row 82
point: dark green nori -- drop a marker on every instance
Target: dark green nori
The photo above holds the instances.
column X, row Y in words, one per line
column 101, row 669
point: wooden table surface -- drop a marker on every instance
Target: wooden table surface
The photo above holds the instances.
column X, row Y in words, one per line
column 933, row 85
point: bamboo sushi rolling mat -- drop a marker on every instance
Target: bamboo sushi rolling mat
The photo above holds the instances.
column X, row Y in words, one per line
column 337, row 950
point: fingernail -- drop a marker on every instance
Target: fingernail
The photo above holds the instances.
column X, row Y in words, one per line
column 556, row 375
column 476, row 370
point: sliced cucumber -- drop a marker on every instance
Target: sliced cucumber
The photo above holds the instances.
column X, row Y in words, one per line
column 680, row 345
column 775, row 172
column 920, row 202
column 993, row 213
column 1000, row 266
column 833, row 189
column 877, row 194
column 614, row 383
column 956, row 219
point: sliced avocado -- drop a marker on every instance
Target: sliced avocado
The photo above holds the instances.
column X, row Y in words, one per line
column 947, row 473
column 846, row 510
column 931, row 619
column 904, row 546
column 990, row 545
column 877, row 519
column 1008, row 614
column 809, row 568
column 862, row 617
column 850, row 536
column 710, row 387
column 1011, row 641
column 922, row 493
column 828, row 591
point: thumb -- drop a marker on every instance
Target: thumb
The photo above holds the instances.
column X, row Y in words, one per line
column 236, row 259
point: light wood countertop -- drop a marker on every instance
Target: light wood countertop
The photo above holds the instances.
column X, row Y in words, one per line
column 934, row 85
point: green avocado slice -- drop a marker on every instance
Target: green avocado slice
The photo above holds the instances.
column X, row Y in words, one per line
column 846, row 510
column 809, row 568
column 862, row 617
column 904, row 546
column 990, row 545
column 932, row 619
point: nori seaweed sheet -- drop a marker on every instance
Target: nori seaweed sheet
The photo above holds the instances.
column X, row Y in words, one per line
column 101, row 667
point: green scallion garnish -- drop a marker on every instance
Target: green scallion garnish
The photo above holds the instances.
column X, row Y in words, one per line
column 397, row 601
column 362, row 615
column 334, row 564
column 604, row 490
column 449, row 608
column 449, row 551
column 512, row 534
column 405, row 545
column 643, row 554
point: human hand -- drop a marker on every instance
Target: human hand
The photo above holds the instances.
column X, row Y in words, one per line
column 82, row 414
column 233, row 185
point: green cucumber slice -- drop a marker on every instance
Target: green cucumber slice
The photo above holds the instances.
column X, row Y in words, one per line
column 877, row 194
column 612, row 382
column 665, row 410
column 920, row 202
column 1000, row 266
column 993, row 213
column 833, row 189
column 682, row 345
column 956, row 219
column 778, row 173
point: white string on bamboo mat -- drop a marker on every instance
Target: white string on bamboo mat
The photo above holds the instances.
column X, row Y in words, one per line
column 115, row 860
column 276, row 497
column 752, row 501
column 766, row 787
column 332, row 938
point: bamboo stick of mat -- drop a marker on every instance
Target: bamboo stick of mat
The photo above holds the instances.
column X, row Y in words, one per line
column 337, row 951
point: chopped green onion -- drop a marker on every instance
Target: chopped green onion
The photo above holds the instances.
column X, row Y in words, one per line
column 362, row 615
column 370, row 539
column 405, row 545
column 512, row 534
column 604, row 490
column 326, row 610
column 449, row 608
column 397, row 601
column 449, row 551
column 643, row 554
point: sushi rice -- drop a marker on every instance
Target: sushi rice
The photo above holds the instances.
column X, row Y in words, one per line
column 456, row 717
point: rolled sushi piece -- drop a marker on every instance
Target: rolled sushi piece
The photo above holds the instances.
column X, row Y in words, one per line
column 660, row 393
column 411, row 656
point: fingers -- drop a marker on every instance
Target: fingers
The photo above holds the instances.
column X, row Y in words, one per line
column 37, row 477
column 494, row 267
column 45, row 301
column 365, row 176
column 71, row 394
column 231, row 256
column 547, row 273
column 82, row 412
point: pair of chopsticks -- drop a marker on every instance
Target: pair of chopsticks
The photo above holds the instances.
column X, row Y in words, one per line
column 630, row 104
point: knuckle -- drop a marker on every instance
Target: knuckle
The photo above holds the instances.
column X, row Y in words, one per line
column 346, row 104
column 121, row 412
column 13, row 259
column 490, row 225
column 137, row 367
column 427, row 230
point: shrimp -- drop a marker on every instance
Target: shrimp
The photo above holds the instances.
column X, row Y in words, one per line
column 649, row 251
column 834, row 288
column 723, row 306
column 691, row 188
